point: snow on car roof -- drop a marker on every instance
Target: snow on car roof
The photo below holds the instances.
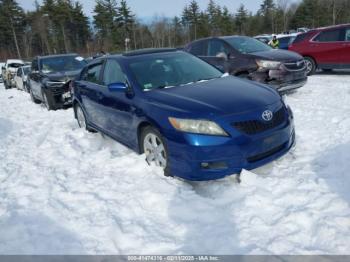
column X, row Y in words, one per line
column 14, row 61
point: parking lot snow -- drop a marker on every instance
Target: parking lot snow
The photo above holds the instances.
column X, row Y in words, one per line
column 67, row 191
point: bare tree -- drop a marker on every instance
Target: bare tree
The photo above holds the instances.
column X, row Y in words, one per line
column 336, row 6
column 283, row 5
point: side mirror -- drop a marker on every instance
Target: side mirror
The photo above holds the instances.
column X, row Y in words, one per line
column 3, row 68
column 115, row 87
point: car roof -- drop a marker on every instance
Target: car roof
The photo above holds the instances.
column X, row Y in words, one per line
column 288, row 35
column 135, row 53
column 58, row 55
column 332, row 26
column 147, row 51
column 14, row 61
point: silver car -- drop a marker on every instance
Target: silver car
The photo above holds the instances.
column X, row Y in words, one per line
column 21, row 78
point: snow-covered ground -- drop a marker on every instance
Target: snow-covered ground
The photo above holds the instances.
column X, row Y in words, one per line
column 66, row 191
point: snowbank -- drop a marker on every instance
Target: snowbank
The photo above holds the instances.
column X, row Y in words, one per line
column 66, row 191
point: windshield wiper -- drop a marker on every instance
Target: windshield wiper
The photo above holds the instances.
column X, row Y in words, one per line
column 162, row 87
column 206, row 79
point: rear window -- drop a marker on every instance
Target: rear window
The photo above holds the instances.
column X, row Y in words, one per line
column 198, row 48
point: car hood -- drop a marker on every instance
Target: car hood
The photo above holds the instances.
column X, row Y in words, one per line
column 12, row 69
column 223, row 96
column 278, row 55
column 62, row 76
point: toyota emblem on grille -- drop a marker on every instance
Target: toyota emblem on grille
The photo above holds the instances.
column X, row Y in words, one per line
column 267, row 115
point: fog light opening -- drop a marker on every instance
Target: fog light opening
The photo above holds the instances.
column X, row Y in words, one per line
column 214, row 165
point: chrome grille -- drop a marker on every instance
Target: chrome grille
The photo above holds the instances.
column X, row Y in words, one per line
column 295, row 66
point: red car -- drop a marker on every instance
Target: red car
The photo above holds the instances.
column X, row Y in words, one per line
column 326, row 48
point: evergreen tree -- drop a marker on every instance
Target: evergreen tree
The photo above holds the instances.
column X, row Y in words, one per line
column 214, row 17
column 12, row 25
column 124, row 20
column 241, row 19
column 267, row 13
column 190, row 18
column 226, row 22
column 105, row 14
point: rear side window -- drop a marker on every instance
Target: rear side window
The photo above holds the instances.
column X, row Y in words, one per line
column 113, row 73
column 216, row 46
column 92, row 74
column 300, row 38
column 199, row 48
column 329, row 36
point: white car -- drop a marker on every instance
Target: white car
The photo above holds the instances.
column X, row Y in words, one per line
column 21, row 78
column 9, row 71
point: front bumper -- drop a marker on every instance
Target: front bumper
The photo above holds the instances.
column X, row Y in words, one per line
column 61, row 96
column 283, row 88
column 282, row 79
column 209, row 157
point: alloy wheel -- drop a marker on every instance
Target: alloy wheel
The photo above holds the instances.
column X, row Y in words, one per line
column 154, row 150
column 309, row 66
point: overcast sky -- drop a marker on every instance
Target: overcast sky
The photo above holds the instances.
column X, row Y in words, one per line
column 149, row 8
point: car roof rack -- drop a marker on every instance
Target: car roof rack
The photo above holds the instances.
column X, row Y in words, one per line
column 146, row 51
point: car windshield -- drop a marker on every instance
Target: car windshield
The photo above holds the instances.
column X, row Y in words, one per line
column 171, row 69
column 61, row 64
column 247, row 45
column 26, row 70
column 15, row 65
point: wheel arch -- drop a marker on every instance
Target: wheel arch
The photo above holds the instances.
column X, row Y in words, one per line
column 143, row 124
column 312, row 57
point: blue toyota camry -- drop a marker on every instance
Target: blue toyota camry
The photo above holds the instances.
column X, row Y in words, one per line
column 184, row 114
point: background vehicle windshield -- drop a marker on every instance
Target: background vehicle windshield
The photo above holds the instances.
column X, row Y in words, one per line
column 172, row 69
column 15, row 65
column 26, row 70
column 61, row 64
column 247, row 45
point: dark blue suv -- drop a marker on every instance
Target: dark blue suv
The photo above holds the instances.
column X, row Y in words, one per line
column 183, row 113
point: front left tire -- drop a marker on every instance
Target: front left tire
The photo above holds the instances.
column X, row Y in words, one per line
column 47, row 101
column 81, row 118
column 32, row 97
column 6, row 85
column 154, row 147
column 310, row 65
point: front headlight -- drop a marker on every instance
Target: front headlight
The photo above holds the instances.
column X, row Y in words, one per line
column 204, row 127
column 267, row 64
